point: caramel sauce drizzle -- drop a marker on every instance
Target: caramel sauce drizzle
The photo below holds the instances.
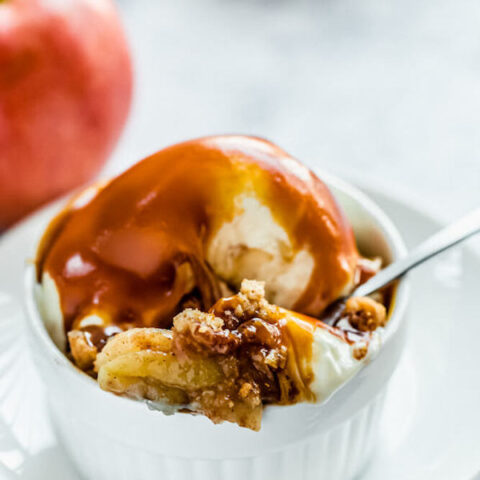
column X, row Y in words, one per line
column 121, row 253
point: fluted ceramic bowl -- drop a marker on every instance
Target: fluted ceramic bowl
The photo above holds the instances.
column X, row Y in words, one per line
column 114, row 438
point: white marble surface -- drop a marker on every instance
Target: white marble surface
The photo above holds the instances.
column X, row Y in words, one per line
column 382, row 90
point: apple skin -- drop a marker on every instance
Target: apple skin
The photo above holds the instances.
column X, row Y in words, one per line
column 65, row 93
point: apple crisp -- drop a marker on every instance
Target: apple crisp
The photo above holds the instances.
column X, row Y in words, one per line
column 226, row 363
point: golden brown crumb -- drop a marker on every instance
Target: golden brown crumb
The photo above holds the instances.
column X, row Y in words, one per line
column 365, row 314
column 245, row 389
column 192, row 317
column 253, row 291
column 196, row 331
column 360, row 351
column 251, row 300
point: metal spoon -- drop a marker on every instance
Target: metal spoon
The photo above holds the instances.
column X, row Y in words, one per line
column 447, row 237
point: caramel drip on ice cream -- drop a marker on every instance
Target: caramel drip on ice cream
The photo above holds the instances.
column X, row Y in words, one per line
column 136, row 249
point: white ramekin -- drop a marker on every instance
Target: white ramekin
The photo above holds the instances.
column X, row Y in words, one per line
column 113, row 438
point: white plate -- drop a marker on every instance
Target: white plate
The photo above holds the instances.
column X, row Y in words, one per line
column 431, row 426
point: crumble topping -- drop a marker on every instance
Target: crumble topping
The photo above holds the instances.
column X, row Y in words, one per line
column 227, row 362
column 365, row 314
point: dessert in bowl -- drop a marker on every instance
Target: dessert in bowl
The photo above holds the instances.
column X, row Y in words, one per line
column 198, row 282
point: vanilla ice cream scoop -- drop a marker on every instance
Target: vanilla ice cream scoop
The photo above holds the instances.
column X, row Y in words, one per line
column 254, row 245
column 191, row 222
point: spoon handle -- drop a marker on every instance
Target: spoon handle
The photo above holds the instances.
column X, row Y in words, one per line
column 447, row 237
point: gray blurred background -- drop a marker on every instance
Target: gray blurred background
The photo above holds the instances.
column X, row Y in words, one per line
column 379, row 91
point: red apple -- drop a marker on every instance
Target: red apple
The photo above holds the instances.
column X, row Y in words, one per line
column 65, row 92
